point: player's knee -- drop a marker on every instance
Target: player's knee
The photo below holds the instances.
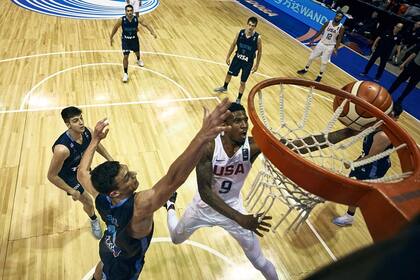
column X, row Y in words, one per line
column 177, row 239
column 259, row 262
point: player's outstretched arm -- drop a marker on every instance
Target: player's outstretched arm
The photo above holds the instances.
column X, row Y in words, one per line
column 102, row 151
column 114, row 30
column 231, row 49
column 259, row 54
column 151, row 200
column 339, row 39
column 318, row 33
column 146, row 24
column 333, row 138
column 83, row 171
column 204, row 178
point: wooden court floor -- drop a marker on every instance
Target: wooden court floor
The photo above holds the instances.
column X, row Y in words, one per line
column 47, row 63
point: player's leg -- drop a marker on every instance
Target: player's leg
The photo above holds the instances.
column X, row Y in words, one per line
column 402, row 77
column 126, row 53
column 89, row 208
column 246, row 71
column 97, row 275
column 136, row 49
column 325, row 58
column 252, row 249
column 234, row 68
column 347, row 219
column 414, row 79
column 383, row 60
column 314, row 54
column 370, row 63
column 180, row 230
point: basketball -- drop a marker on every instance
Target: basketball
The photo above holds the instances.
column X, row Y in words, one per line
column 356, row 117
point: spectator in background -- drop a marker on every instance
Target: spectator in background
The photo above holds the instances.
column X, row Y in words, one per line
column 368, row 27
column 382, row 48
column 410, row 39
column 411, row 70
column 412, row 13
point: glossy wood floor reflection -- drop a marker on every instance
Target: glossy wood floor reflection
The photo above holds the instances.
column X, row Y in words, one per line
column 43, row 233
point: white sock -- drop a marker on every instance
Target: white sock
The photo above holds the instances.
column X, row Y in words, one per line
column 172, row 221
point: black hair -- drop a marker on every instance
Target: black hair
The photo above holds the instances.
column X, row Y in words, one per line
column 254, row 20
column 397, row 109
column 236, row 107
column 103, row 176
column 128, row 6
column 340, row 13
column 70, row 112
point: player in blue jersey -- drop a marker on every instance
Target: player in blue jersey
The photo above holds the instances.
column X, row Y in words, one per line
column 373, row 144
column 248, row 42
column 129, row 214
column 67, row 153
column 129, row 38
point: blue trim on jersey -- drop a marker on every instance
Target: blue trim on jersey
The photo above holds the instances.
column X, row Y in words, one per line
column 84, row 9
column 118, row 204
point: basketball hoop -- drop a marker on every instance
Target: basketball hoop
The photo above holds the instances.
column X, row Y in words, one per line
column 395, row 197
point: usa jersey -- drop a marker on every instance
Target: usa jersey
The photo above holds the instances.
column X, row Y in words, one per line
column 331, row 32
column 129, row 28
column 374, row 170
column 246, row 47
column 228, row 173
column 68, row 171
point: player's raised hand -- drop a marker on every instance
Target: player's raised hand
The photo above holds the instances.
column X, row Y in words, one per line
column 111, row 40
column 255, row 223
column 213, row 123
column 101, row 129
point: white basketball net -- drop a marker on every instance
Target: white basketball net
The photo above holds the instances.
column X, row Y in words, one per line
column 271, row 185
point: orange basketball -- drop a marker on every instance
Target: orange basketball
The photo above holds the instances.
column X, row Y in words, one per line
column 355, row 116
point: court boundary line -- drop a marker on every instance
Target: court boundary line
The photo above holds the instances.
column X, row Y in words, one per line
column 28, row 95
column 155, row 101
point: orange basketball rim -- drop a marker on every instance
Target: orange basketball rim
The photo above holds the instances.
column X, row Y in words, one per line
column 386, row 207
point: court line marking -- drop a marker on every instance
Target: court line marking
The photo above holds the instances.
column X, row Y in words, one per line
column 155, row 101
column 29, row 93
column 110, row 63
column 324, row 244
column 293, row 38
column 187, row 242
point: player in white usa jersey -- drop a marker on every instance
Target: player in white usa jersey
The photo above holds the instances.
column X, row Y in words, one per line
column 221, row 173
column 332, row 33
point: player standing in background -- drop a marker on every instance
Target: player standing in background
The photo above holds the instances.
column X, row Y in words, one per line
column 67, row 153
column 332, row 34
column 248, row 42
column 129, row 38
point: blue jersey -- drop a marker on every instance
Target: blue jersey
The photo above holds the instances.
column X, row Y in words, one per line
column 129, row 28
column 122, row 255
column 374, row 170
column 246, row 47
column 68, row 171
